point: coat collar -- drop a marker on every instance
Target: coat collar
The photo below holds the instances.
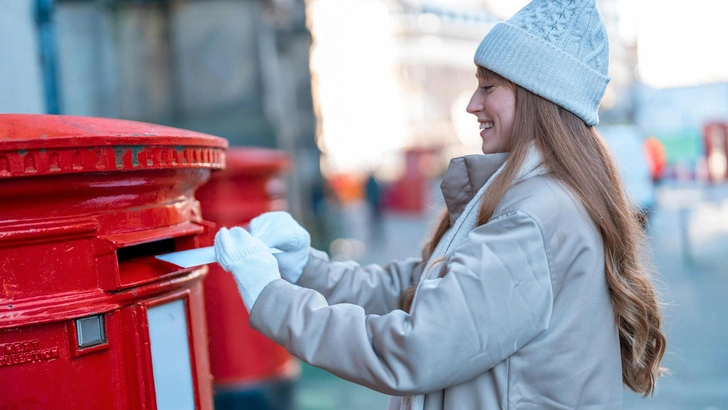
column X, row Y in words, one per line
column 464, row 177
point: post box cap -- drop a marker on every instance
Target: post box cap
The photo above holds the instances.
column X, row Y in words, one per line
column 38, row 144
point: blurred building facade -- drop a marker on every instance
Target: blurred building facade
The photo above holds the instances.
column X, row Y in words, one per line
column 437, row 42
column 233, row 68
column 618, row 105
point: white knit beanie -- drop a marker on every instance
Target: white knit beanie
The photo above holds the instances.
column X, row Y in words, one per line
column 557, row 49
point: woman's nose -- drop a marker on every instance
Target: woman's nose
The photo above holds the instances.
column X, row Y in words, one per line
column 474, row 106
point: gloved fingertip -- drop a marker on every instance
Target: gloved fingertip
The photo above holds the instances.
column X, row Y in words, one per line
column 238, row 232
column 266, row 216
column 221, row 233
column 256, row 224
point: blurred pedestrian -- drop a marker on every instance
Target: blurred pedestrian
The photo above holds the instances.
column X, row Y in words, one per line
column 318, row 208
column 532, row 292
column 373, row 193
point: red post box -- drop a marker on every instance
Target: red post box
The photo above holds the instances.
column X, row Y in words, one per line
column 411, row 192
column 249, row 370
column 89, row 319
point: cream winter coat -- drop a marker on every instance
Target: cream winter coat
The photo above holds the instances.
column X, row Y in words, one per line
column 521, row 320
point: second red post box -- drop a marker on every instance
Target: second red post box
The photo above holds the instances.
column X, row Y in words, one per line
column 249, row 370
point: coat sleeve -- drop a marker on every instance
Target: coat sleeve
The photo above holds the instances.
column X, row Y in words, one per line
column 374, row 288
column 495, row 298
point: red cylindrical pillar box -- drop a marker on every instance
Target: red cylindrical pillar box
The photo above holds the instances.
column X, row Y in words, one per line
column 89, row 319
column 243, row 361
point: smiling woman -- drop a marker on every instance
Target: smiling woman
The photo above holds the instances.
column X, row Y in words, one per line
column 537, row 254
column 494, row 105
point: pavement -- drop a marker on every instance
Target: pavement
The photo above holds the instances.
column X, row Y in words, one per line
column 688, row 237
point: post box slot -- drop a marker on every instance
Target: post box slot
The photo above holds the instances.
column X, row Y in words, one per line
column 145, row 249
column 137, row 264
column 134, row 254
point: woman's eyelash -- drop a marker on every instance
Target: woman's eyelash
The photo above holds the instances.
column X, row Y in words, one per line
column 487, row 87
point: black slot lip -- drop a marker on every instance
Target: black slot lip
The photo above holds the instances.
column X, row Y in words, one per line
column 145, row 249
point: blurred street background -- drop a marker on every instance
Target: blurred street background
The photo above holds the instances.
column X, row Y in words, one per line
column 367, row 98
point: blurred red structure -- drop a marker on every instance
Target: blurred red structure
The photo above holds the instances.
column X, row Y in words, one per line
column 410, row 193
column 715, row 138
column 656, row 158
column 244, row 363
column 347, row 187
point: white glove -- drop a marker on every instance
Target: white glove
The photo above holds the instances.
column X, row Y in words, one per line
column 279, row 230
column 249, row 260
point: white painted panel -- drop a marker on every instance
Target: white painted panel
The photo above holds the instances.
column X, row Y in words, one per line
column 171, row 356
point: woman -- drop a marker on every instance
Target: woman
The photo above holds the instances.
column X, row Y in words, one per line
column 531, row 293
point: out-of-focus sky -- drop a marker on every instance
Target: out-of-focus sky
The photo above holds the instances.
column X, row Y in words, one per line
column 679, row 42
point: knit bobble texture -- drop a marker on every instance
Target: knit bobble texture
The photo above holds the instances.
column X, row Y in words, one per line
column 558, row 49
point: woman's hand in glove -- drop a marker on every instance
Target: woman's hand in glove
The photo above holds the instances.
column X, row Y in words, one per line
column 249, row 260
column 279, row 230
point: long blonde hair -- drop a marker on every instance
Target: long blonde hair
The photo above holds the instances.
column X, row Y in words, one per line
column 576, row 156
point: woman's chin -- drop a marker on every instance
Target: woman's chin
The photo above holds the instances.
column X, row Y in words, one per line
column 488, row 148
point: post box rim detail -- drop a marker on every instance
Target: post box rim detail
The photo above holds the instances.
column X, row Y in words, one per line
column 32, row 145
